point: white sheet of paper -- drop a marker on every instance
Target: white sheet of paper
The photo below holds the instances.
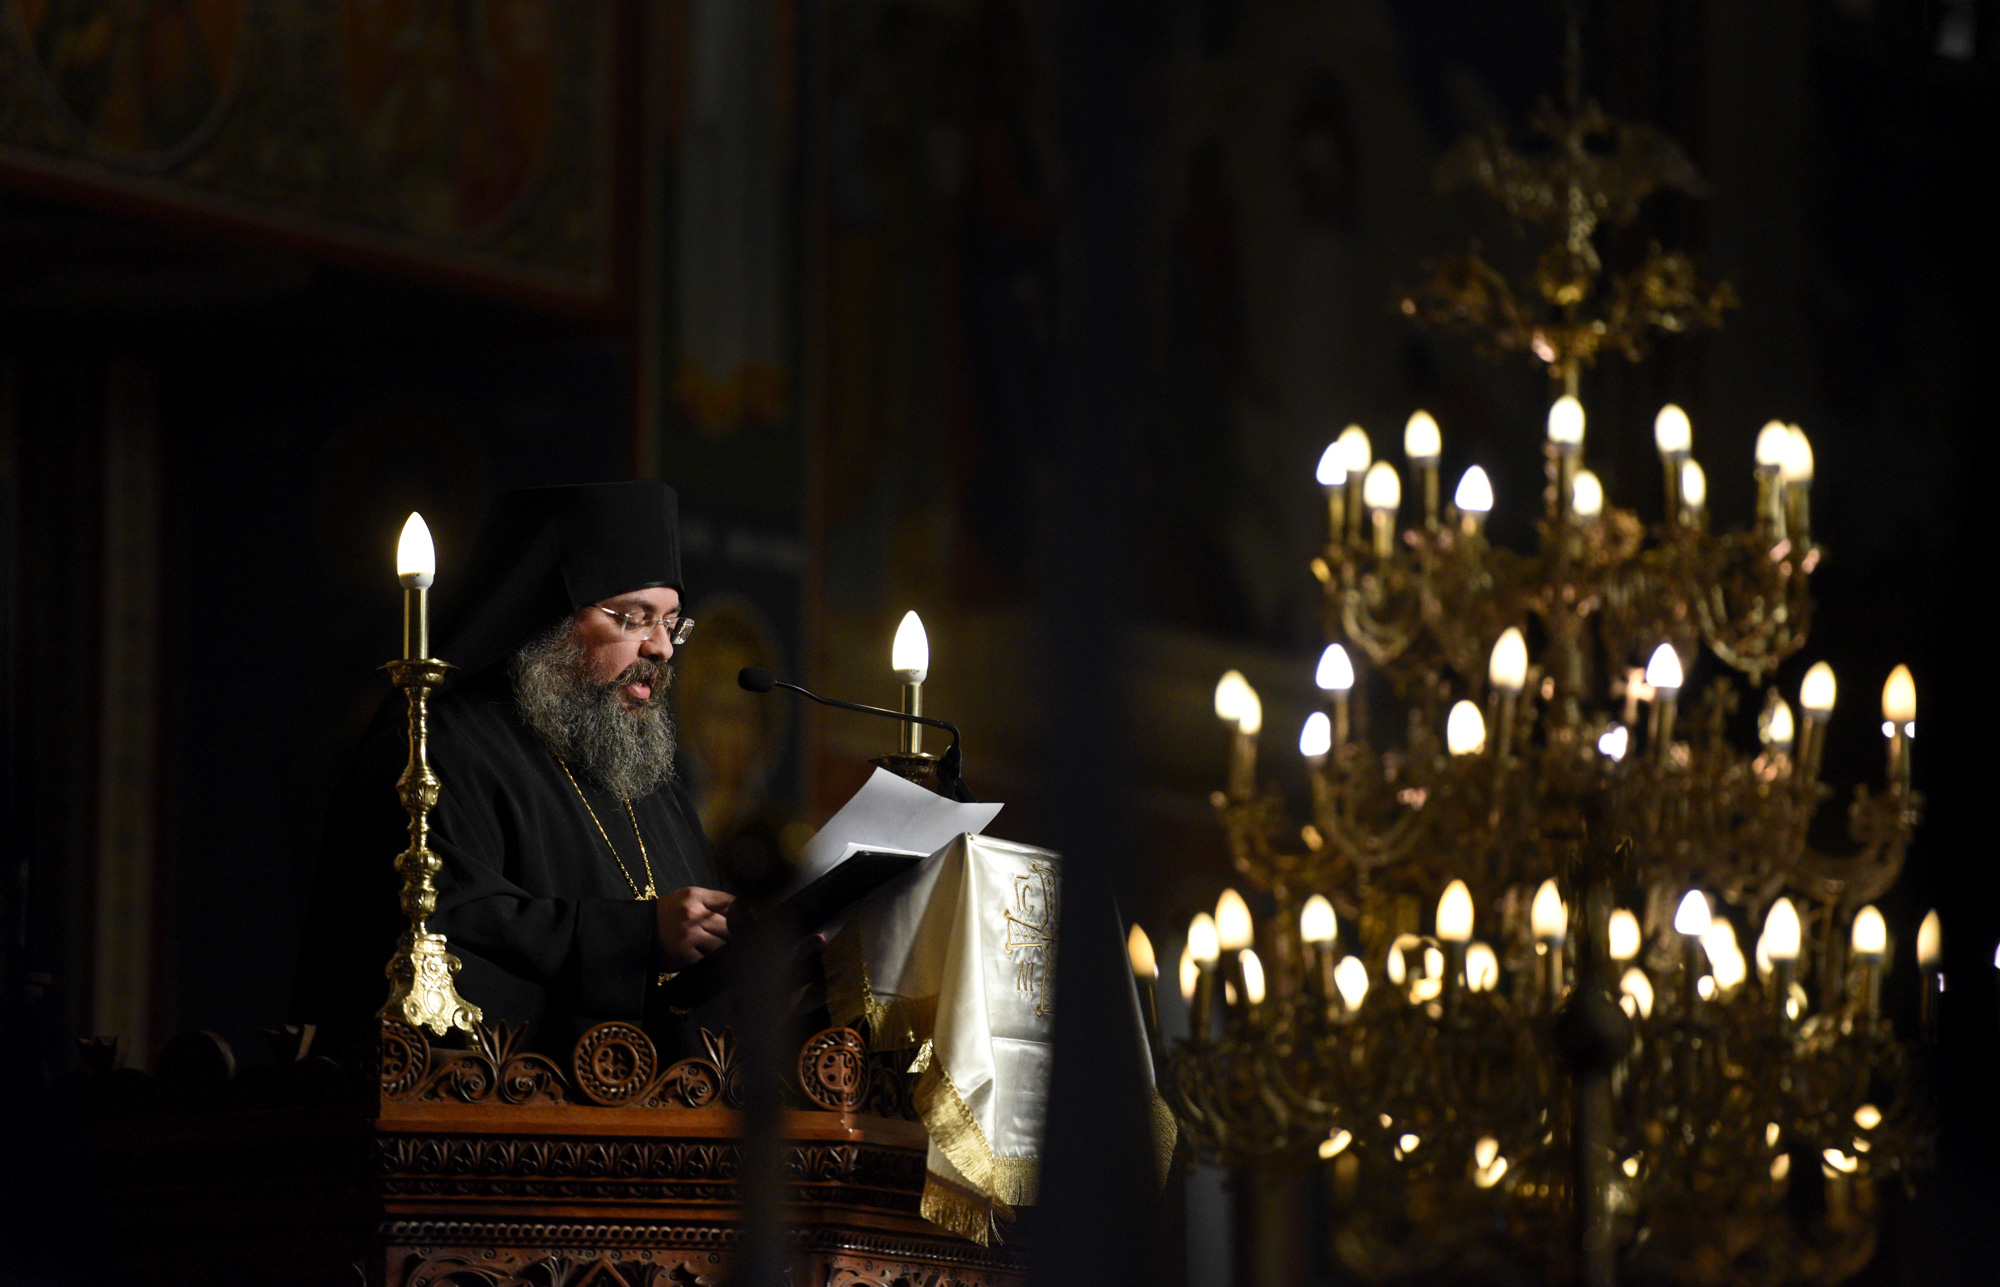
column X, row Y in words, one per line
column 894, row 815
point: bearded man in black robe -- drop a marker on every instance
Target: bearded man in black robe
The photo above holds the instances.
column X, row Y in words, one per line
column 575, row 869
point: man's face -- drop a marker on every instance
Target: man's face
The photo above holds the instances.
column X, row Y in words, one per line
column 613, row 656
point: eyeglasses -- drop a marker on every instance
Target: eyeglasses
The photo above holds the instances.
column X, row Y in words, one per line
column 641, row 625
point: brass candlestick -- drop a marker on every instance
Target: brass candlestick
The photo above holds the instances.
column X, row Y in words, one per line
column 421, row 992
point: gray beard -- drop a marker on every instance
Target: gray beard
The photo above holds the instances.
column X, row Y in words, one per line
column 629, row 752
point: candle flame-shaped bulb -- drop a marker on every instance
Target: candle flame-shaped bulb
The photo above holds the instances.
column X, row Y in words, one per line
column 1798, row 463
column 1616, row 741
column 1203, row 943
column 1871, row 933
column 1316, row 738
column 1454, row 919
column 1482, row 968
column 1253, row 977
column 1475, row 492
column 1190, row 974
column 1332, row 471
column 1781, row 931
column 1773, row 441
column 1229, row 692
column 1250, row 715
column 1664, row 670
column 1776, row 727
column 1671, row 430
column 1465, row 730
column 1816, row 691
column 1354, row 449
column 1930, row 941
column 1694, row 484
column 1316, row 923
column 1692, row 917
column 1421, row 439
column 1381, row 487
column 1232, row 922
column 1139, row 949
column 1547, row 916
column 1638, row 989
column 1507, row 668
column 1566, row 422
column 1586, row 496
column 1350, row 977
column 1624, row 936
column 416, row 557
column 910, row 655
column 1336, row 672
column 1899, row 697
column 1725, row 958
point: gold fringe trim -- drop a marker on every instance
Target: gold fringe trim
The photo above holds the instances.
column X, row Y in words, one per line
column 1016, row 1180
column 952, row 1127
column 896, row 1024
column 1166, row 1135
column 957, row 1209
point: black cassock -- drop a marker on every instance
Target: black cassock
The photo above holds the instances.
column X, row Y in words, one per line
column 531, row 899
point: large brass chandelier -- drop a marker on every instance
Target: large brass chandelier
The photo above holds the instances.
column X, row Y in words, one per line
column 1558, row 975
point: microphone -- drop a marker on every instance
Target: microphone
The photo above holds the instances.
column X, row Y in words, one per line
column 951, row 781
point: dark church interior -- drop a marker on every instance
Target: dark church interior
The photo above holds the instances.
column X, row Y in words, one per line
column 1038, row 319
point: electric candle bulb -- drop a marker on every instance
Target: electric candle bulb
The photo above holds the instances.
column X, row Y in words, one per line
column 1139, row 949
column 1507, row 669
column 1482, row 968
column 1816, row 692
column 1253, row 977
column 1454, row 918
column 1421, row 440
column 1781, row 931
column 1692, row 917
column 1332, row 471
column 1232, row 921
column 1624, row 936
column 1336, row 672
column 1351, row 978
column 1586, row 495
column 1899, row 697
column 1250, row 714
column 1776, row 727
column 1203, row 943
column 1871, row 933
column 1566, row 422
column 1930, row 941
column 1354, row 449
column 1465, row 730
column 1727, row 963
column 1547, row 916
column 1797, row 466
column 1773, row 441
column 1672, row 431
column 416, row 556
column 1316, row 923
column 1616, row 741
column 1381, row 488
column 1229, row 692
column 1475, row 492
column 1316, row 738
column 1636, row 993
column 910, row 655
column 1190, row 975
column 1694, row 484
column 1664, row 670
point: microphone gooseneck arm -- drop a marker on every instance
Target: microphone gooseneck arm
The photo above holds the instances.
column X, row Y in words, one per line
column 756, row 679
column 870, row 710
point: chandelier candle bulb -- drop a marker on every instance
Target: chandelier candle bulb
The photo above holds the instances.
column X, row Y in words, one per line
column 1205, row 950
column 1465, row 730
column 1776, row 731
column 1473, row 500
column 1251, row 970
column 1774, row 440
column 1566, row 446
column 1336, row 675
column 1624, row 939
column 1586, row 498
column 1694, row 493
column 1317, row 930
column 1332, row 475
column 1797, row 472
column 1870, row 940
column 1816, row 694
column 1507, row 671
column 416, row 570
column 1146, row 977
column 1930, row 963
column 1422, row 443
column 1351, row 977
column 1316, row 739
column 910, row 658
column 1234, row 933
column 1674, row 436
column 1780, row 942
column 1356, row 454
column 1691, row 922
column 1454, row 930
column 1899, row 718
column 1548, row 919
column 1663, row 675
column 1382, row 492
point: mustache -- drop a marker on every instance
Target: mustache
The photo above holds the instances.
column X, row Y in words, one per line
column 643, row 670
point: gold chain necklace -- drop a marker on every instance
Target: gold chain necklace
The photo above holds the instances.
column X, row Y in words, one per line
column 648, row 891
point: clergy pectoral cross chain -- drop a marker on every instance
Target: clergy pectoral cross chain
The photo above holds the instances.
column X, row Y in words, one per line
column 1031, row 931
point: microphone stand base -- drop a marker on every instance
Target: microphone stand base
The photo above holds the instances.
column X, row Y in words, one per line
column 915, row 766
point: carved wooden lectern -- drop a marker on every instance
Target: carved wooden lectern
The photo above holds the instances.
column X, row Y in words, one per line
column 409, row 1165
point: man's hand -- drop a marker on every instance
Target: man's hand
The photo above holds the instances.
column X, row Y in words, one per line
column 692, row 923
